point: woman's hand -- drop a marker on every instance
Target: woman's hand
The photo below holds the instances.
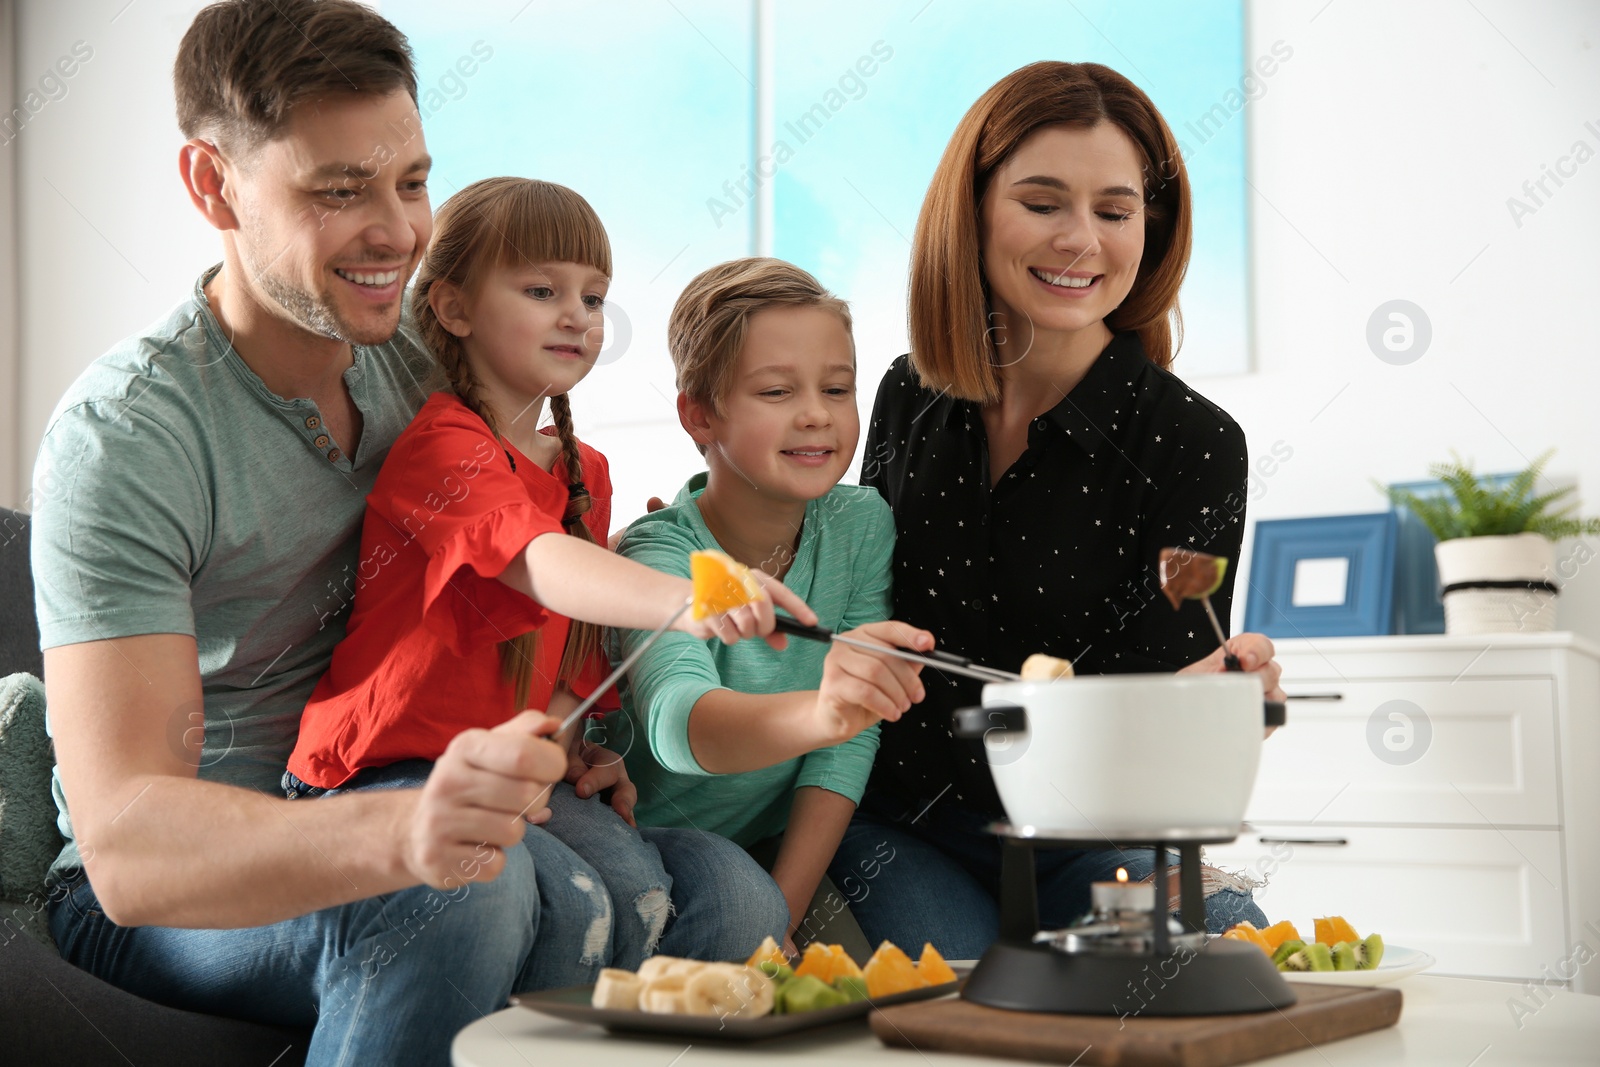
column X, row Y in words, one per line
column 755, row 619
column 1255, row 654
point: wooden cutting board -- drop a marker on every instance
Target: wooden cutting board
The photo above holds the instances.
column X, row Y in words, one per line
column 1324, row 1013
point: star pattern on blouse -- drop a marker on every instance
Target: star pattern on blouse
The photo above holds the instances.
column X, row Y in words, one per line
column 1132, row 474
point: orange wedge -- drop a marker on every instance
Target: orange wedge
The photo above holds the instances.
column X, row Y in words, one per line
column 843, row 965
column 1249, row 934
column 818, row 962
column 890, row 971
column 1278, row 933
column 1333, row 929
column 768, row 952
column 932, row 968
column 721, row 583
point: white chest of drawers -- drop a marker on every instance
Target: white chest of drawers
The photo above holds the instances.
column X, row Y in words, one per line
column 1448, row 798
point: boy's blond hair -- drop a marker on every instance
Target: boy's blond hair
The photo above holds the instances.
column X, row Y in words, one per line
column 712, row 316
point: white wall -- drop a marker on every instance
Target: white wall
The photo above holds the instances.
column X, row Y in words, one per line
column 1383, row 155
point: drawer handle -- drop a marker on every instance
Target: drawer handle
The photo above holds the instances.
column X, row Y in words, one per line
column 1316, row 696
column 1324, row 842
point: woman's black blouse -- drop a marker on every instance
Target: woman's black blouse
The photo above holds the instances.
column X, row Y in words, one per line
column 1061, row 556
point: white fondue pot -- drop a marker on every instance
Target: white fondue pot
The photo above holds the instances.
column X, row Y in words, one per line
column 1132, row 757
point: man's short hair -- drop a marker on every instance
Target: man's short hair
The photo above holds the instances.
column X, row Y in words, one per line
column 712, row 316
column 244, row 65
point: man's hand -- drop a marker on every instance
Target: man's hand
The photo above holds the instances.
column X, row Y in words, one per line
column 482, row 792
column 859, row 687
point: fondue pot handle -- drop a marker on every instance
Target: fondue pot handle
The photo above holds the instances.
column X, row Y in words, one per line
column 974, row 724
column 1277, row 713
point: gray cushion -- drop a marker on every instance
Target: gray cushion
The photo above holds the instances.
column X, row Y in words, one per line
column 29, row 840
column 19, row 626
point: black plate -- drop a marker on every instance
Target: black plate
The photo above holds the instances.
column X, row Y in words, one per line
column 572, row 1004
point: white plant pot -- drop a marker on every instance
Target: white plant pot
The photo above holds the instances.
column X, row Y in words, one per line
column 1505, row 604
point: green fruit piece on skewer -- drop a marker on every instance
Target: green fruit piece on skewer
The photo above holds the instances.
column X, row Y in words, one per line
column 1189, row 575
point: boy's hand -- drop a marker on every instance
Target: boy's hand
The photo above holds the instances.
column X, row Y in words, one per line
column 859, row 688
column 482, row 791
column 592, row 769
column 754, row 619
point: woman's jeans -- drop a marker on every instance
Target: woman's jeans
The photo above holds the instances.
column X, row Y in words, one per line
column 391, row 979
column 915, row 871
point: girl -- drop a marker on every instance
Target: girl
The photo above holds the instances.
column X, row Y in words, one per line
column 462, row 603
column 1038, row 454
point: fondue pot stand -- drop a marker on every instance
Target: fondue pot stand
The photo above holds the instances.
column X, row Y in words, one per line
column 1150, row 761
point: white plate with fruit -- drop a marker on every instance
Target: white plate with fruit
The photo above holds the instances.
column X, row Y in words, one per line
column 1336, row 954
column 762, row 997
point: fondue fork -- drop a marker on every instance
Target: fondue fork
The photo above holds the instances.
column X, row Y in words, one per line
column 944, row 661
column 622, row 668
column 1229, row 660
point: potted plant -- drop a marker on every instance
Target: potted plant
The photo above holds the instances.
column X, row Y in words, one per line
column 1496, row 548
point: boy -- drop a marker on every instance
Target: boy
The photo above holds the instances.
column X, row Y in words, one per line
column 747, row 741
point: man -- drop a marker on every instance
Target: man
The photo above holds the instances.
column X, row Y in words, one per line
column 200, row 491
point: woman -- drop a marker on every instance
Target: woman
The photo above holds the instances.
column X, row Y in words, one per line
column 1038, row 455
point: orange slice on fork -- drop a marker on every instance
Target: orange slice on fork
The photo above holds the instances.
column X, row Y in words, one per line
column 721, row 583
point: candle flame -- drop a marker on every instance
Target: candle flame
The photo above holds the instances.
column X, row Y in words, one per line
column 1122, row 875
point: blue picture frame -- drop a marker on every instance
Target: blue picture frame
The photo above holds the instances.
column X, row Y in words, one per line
column 1364, row 545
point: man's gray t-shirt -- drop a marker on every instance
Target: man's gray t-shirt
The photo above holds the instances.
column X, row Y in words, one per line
column 175, row 493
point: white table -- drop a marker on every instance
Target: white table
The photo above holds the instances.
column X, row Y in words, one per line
column 1446, row 1022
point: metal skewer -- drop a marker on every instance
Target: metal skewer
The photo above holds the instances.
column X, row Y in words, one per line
column 943, row 661
column 622, row 668
column 1229, row 660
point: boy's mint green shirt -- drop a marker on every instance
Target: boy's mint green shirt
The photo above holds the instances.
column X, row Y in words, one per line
column 842, row 570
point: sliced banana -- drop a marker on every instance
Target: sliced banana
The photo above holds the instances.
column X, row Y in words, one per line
column 1042, row 668
column 617, row 989
column 659, row 966
column 687, row 968
column 664, row 995
column 724, row 989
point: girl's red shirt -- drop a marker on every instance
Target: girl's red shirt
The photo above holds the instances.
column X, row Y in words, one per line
column 420, row 660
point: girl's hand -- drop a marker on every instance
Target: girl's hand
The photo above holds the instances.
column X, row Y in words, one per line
column 592, row 769
column 755, row 619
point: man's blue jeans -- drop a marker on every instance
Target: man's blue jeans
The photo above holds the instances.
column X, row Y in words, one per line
column 391, row 979
column 936, row 878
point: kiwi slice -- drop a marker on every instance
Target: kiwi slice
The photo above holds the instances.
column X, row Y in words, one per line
column 1285, row 950
column 808, row 993
column 1347, row 956
column 1315, row 957
column 1369, row 952
column 851, row 986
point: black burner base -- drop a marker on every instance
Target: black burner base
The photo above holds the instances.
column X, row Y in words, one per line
column 1223, row 978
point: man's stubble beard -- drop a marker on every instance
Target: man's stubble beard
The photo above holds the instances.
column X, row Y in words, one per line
column 316, row 312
